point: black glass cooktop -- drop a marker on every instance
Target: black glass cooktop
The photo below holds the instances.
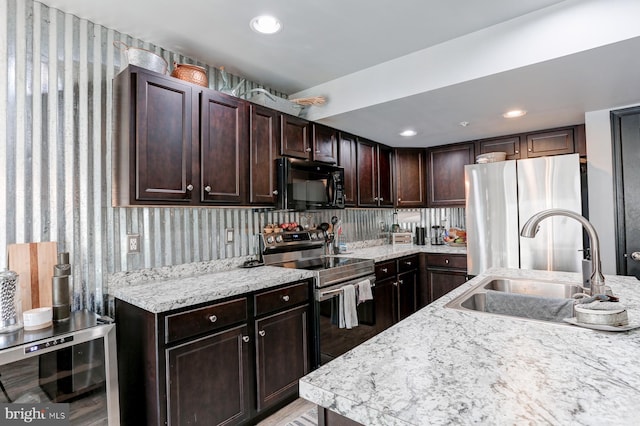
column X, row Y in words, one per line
column 322, row 263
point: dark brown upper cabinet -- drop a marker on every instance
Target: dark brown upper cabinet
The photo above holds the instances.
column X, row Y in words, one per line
column 325, row 144
column 155, row 140
column 173, row 139
column 411, row 177
column 554, row 142
column 264, row 137
column 347, row 158
column 445, row 171
column 223, row 142
column 375, row 179
column 295, row 137
column 508, row 144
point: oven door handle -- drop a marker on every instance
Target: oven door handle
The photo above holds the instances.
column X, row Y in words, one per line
column 328, row 292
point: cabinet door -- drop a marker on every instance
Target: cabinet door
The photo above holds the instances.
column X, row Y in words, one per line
column 385, row 176
column 223, row 124
column 263, row 145
column 367, row 174
column 347, row 158
column 442, row 282
column 165, row 134
column 406, row 294
column 384, row 303
column 295, row 137
column 282, row 346
column 510, row 145
column 411, row 177
column 209, row 379
column 325, row 144
column 550, row 143
column 446, row 174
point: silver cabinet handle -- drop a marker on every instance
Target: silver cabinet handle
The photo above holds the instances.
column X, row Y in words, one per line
column 408, row 263
column 189, row 187
column 635, row 255
column 385, row 270
column 285, row 297
column 400, row 282
column 275, row 192
column 245, row 339
column 308, row 149
column 207, row 188
column 395, row 284
column 261, row 333
column 375, row 198
column 381, row 199
column 213, row 318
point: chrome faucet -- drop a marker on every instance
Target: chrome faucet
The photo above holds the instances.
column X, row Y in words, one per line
column 530, row 229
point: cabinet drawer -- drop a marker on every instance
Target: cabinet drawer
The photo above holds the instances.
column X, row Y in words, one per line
column 408, row 263
column 455, row 261
column 201, row 320
column 385, row 270
column 281, row 298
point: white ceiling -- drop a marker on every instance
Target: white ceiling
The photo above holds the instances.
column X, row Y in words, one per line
column 375, row 60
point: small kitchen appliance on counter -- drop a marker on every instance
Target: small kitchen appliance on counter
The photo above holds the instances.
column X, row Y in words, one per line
column 437, row 235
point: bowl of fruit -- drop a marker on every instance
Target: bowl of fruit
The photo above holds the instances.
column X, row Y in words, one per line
column 456, row 237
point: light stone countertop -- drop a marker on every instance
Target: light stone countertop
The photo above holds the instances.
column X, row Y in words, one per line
column 167, row 288
column 388, row 252
column 443, row 366
column 168, row 294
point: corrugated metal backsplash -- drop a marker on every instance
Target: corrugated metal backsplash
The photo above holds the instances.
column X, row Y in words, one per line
column 56, row 74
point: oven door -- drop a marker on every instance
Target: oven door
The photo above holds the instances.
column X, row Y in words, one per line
column 334, row 341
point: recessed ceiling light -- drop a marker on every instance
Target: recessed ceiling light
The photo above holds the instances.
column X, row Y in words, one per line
column 408, row 133
column 265, row 24
column 514, row 113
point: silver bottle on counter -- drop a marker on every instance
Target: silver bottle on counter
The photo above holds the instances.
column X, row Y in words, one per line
column 61, row 298
column 10, row 302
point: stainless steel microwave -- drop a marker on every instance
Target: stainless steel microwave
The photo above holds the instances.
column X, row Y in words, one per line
column 307, row 185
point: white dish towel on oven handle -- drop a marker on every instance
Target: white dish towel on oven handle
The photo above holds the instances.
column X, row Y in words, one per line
column 348, row 314
column 364, row 291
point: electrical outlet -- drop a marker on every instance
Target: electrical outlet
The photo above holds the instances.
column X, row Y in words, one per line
column 229, row 235
column 133, row 243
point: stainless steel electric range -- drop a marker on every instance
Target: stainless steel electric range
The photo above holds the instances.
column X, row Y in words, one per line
column 308, row 250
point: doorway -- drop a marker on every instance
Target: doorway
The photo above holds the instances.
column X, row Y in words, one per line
column 625, row 127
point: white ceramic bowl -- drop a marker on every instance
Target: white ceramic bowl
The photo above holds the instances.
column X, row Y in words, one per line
column 491, row 157
column 35, row 319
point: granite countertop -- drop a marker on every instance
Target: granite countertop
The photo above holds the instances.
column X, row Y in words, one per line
column 445, row 366
column 388, row 252
column 157, row 296
column 164, row 289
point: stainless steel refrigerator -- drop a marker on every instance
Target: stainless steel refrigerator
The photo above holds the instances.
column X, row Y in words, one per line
column 501, row 196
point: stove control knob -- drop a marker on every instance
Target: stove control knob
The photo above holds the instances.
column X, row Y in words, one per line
column 314, row 236
column 279, row 239
column 319, row 235
column 270, row 239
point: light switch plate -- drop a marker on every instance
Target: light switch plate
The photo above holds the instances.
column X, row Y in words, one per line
column 228, row 235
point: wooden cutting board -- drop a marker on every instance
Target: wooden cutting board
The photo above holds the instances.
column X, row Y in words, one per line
column 33, row 262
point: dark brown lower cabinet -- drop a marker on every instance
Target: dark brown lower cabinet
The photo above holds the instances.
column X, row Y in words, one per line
column 396, row 290
column 209, row 379
column 282, row 358
column 406, row 294
column 384, row 303
column 229, row 362
column 444, row 272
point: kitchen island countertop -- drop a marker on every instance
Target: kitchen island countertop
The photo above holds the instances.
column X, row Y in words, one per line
column 445, row 366
column 389, row 251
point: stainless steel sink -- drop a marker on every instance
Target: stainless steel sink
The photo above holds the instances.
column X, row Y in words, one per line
column 541, row 292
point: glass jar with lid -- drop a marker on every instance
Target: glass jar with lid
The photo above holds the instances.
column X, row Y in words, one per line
column 10, row 302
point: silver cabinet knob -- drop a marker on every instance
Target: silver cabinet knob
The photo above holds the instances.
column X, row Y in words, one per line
column 446, row 261
column 635, row 255
column 399, row 199
column 395, row 284
column 285, row 298
column 189, row 187
column 261, row 333
column 275, row 192
column 375, row 198
column 408, row 263
column 245, row 339
column 400, row 282
column 207, row 188
column 308, row 149
column 213, row 318
column 385, row 270
column 381, row 199
column 517, row 152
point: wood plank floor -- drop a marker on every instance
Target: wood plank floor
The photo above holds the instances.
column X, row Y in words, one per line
column 288, row 414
